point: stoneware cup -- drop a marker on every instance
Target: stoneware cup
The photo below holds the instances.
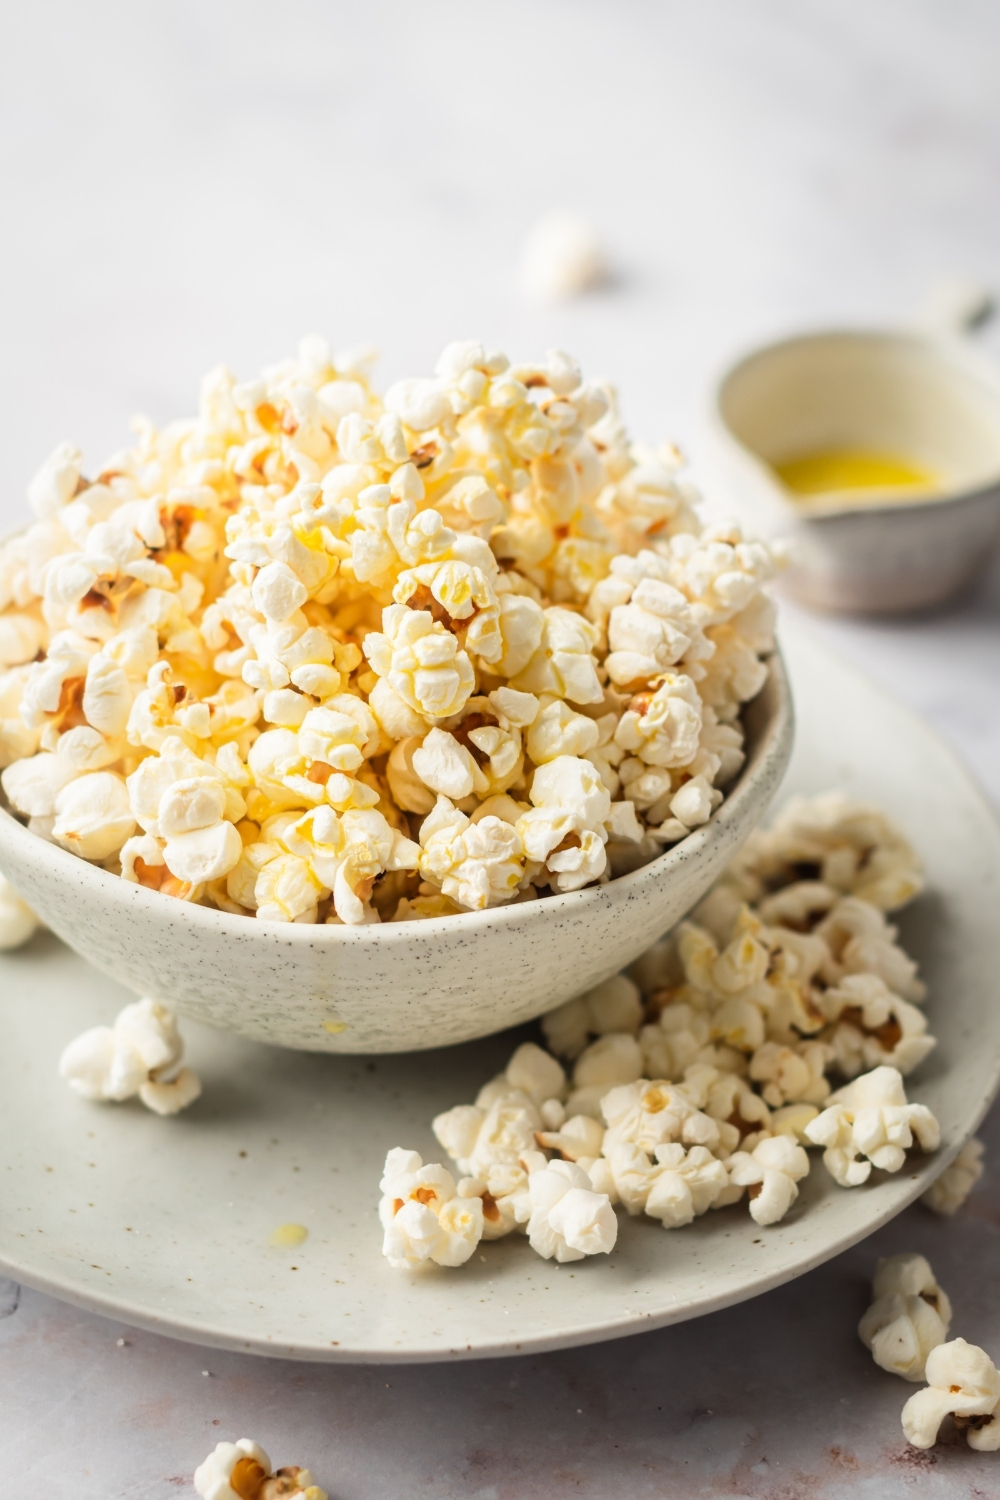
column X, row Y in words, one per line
column 928, row 397
column 401, row 986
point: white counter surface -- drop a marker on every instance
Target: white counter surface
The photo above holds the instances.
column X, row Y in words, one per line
column 185, row 183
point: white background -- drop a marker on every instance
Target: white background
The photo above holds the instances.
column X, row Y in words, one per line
column 186, row 183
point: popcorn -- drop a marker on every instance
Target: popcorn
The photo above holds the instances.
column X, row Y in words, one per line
column 564, row 831
column 962, row 1381
column 17, row 921
column 478, row 864
column 242, row 1471
column 949, row 1192
column 687, row 1185
column 615, row 1005
column 909, row 1316
column 650, row 624
column 648, row 1114
column 562, row 257
column 470, row 601
column 870, row 1118
column 860, row 941
column 663, row 728
column 717, row 1094
column 771, row 1173
column 791, row 1074
column 874, row 1026
column 421, row 662
column 855, row 847
column 140, row 1054
column 92, row 815
column 614, row 1058
column 423, row 1216
column 568, row 1220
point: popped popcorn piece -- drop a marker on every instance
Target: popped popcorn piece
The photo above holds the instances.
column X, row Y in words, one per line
column 478, row 864
column 687, row 1185
column 423, row 1216
column 579, row 1137
column 139, row 1055
column 873, row 1026
column 771, row 1173
column 949, row 1192
column 791, row 1074
column 870, row 1118
column 909, row 1316
column 680, row 1038
column 242, row 1471
column 564, row 830
column 649, row 1114
column 17, row 921
column 860, row 941
column 568, row 1220
column 562, row 257
column 614, row 1058
column 421, row 662
column 855, row 847
column 614, row 1005
column 963, row 1382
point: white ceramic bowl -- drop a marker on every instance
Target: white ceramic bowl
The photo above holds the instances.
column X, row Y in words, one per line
column 927, row 397
column 402, row 986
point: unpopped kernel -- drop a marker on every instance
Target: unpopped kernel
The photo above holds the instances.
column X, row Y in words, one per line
column 320, row 655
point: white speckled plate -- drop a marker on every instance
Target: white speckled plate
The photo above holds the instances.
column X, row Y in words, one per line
column 166, row 1223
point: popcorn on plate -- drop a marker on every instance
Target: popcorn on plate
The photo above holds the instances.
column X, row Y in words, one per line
column 242, row 1471
column 139, row 1055
column 322, row 655
column 702, row 1076
column 949, row 1192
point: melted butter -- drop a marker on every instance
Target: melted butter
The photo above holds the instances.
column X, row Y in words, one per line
column 289, row 1236
column 861, row 476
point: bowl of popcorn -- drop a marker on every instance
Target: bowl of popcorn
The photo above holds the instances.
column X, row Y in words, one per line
column 371, row 723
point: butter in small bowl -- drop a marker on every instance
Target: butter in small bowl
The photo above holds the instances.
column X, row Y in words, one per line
column 874, row 454
column 856, row 476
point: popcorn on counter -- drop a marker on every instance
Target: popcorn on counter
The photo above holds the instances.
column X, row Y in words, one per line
column 963, row 1382
column 242, row 1471
column 17, row 921
column 318, row 655
column 909, row 1316
column 701, row 1075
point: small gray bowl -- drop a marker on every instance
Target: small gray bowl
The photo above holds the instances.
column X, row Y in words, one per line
column 926, row 396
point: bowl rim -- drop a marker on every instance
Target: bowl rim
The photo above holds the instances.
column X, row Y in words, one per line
column 774, row 744
column 949, row 349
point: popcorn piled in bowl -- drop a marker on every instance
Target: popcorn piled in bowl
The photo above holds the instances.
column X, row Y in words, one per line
column 320, row 655
column 701, row 1074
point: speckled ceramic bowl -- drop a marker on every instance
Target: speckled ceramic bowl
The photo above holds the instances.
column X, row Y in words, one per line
column 404, row 986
